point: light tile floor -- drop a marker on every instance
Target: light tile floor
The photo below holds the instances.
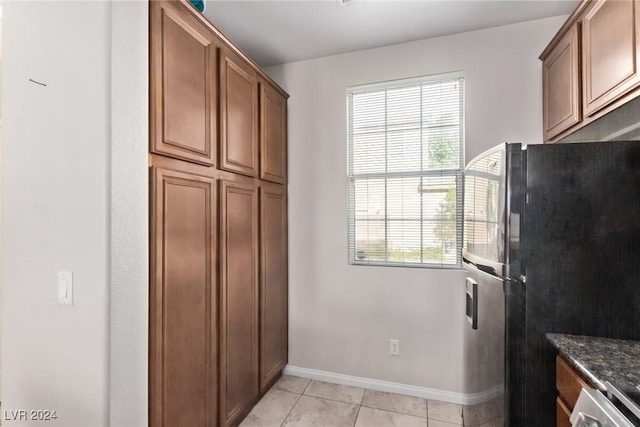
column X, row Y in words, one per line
column 299, row 402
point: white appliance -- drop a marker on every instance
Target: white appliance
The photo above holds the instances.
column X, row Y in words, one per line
column 595, row 409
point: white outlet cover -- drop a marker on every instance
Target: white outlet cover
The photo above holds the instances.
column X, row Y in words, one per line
column 394, row 347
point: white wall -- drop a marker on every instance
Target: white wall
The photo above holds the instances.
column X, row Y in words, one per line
column 342, row 316
column 129, row 213
column 0, row 70
column 67, row 206
column 0, row 194
column 55, row 209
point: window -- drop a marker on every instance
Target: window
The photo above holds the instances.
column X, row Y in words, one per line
column 406, row 143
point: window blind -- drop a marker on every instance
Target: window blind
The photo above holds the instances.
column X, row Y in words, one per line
column 405, row 147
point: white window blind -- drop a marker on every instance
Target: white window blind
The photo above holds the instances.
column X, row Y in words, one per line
column 406, row 143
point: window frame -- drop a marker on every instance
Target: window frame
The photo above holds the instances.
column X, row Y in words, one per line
column 456, row 173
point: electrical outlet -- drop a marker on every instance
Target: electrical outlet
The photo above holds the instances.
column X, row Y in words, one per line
column 394, row 347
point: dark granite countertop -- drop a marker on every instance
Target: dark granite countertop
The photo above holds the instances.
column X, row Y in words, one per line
column 602, row 359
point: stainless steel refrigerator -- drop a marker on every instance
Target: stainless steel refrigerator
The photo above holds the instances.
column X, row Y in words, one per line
column 551, row 244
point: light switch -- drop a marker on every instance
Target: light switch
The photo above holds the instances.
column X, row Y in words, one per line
column 65, row 287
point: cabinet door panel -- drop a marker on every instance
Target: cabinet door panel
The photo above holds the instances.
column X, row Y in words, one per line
column 239, row 100
column 183, row 85
column 562, row 414
column 239, row 301
column 568, row 382
column 273, row 282
column 610, row 53
column 183, row 327
column 273, row 135
column 561, row 88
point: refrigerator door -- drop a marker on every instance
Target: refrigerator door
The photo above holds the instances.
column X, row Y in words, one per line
column 581, row 247
column 484, row 340
column 492, row 185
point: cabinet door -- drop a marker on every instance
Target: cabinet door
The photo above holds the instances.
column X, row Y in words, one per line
column 183, row 84
column 183, row 327
column 273, row 135
column 273, row 282
column 561, row 88
column 568, row 382
column 239, row 300
column 239, row 103
column 562, row 414
column 610, row 52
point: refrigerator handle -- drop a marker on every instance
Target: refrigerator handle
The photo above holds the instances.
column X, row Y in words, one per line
column 471, row 310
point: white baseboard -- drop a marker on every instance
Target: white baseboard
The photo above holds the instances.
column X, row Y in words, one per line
column 391, row 387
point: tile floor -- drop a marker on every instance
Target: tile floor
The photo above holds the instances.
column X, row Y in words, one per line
column 299, row 402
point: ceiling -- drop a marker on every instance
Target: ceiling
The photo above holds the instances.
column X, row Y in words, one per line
column 277, row 32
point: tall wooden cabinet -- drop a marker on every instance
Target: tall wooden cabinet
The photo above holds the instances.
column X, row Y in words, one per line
column 218, row 224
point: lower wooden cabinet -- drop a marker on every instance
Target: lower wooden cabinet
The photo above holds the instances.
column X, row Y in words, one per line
column 182, row 300
column 239, row 365
column 273, row 283
column 218, row 296
column 563, row 414
column 569, row 384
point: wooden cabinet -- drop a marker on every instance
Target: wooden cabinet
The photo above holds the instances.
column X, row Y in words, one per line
column 239, row 300
column 569, row 384
column 183, row 308
column 273, row 282
column 591, row 66
column 218, row 234
column 561, row 87
column 183, row 89
column 239, row 115
column 273, row 135
column 563, row 414
column 610, row 52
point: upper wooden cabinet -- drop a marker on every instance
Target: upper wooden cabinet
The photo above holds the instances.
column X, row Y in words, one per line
column 273, row 135
column 591, row 65
column 561, row 87
column 183, row 300
column 183, row 84
column 239, row 116
column 610, row 52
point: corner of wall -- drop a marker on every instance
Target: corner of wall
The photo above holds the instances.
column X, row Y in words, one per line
column 129, row 215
